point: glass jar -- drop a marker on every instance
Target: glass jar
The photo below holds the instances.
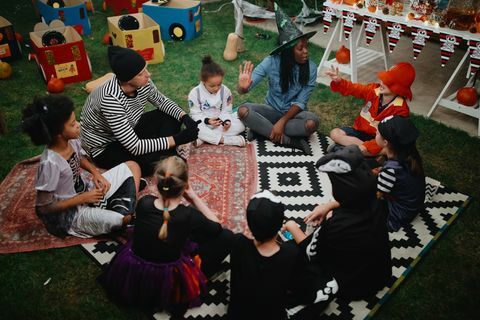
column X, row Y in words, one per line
column 460, row 14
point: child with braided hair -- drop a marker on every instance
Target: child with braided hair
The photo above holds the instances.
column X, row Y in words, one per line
column 163, row 267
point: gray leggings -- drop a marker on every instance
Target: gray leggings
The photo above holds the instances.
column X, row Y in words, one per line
column 261, row 118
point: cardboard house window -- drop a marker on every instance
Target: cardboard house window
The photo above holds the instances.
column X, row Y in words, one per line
column 156, row 36
column 82, row 13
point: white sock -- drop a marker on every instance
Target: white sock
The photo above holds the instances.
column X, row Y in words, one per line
column 234, row 141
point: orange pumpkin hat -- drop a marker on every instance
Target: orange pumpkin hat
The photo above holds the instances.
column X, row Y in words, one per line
column 399, row 79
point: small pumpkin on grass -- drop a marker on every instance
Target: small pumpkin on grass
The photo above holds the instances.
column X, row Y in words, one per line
column 106, row 39
column 5, row 70
column 55, row 85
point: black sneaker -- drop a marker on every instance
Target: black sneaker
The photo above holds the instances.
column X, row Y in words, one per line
column 143, row 184
column 300, row 144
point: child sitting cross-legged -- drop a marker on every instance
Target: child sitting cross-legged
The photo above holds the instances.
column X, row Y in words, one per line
column 261, row 268
column 401, row 181
column 385, row 98
column 166, row 265
column 211, row 102
column 68, row 203
column 350, row 242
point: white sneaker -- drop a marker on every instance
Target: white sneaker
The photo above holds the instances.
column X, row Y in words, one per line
column 234, row 141
column 198, row 142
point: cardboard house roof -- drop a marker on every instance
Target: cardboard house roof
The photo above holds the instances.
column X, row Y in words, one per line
column 40, row 28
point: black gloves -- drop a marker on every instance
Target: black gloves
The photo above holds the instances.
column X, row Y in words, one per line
column 187, row 135
column 189, row 122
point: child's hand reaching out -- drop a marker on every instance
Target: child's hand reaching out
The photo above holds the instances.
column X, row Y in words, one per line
column 333, row 73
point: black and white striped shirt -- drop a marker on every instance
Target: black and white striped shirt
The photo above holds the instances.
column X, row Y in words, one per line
column 110, row 115
column 386, row 180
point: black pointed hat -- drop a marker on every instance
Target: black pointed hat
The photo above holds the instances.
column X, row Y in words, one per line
column 288, row 33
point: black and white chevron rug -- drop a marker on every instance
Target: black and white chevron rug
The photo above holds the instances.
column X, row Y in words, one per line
column 294, row 177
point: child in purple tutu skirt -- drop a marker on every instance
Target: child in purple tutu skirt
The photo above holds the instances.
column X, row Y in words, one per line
column 161, row 268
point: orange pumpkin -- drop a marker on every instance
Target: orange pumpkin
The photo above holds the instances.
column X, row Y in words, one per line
column 106, row 38
column 467, row 96
column 5, row 70
column 89, row 5
column 55, row 85
column 343, row 55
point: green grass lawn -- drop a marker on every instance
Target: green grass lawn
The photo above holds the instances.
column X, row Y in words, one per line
column 445, row 285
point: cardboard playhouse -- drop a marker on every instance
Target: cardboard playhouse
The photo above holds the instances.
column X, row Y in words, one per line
column 179, row 20
column 123, row 6
column 59, row 51
column 145, row 38
column 10, row 49
column 70, row 12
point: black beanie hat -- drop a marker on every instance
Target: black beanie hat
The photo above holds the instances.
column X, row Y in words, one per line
column 265, row 215
column 125, row 63
column 399, row 131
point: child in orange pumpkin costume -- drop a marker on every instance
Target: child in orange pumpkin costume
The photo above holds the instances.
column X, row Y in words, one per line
column 383, row 99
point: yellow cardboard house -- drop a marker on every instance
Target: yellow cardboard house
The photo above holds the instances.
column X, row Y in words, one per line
column 146, row 40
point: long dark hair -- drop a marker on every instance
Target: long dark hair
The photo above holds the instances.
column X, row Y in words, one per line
column 287, row 65
column 414, row 161
column 45, row 118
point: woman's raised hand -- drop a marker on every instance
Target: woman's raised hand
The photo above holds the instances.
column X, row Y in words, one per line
column 245, row 75
column 333, row 73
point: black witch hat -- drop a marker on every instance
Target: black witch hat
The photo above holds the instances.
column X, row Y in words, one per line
column 288, row 33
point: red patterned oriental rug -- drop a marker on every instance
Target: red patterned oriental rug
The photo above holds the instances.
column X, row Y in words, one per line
column 225, row 177
column 20, row 229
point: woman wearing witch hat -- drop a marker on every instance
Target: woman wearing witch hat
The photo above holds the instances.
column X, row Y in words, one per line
column 283, row 118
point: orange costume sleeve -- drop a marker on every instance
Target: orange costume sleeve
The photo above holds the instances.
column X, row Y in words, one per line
column 361, row 91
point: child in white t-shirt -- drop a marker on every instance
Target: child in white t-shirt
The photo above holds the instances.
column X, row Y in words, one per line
column 211, row 102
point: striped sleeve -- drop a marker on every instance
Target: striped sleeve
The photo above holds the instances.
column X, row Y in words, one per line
column 163, row 103
column 386, row 180
column 116, row 117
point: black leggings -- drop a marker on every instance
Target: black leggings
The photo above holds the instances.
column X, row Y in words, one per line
column 152, row 124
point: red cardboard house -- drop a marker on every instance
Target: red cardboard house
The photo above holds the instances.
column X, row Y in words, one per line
column 68, row 60
column 9, row 46
column 128, row 6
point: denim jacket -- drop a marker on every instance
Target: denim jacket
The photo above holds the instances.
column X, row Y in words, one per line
column 296, row 94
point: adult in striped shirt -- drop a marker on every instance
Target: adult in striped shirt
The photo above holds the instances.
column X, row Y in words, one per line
column 115, row 126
